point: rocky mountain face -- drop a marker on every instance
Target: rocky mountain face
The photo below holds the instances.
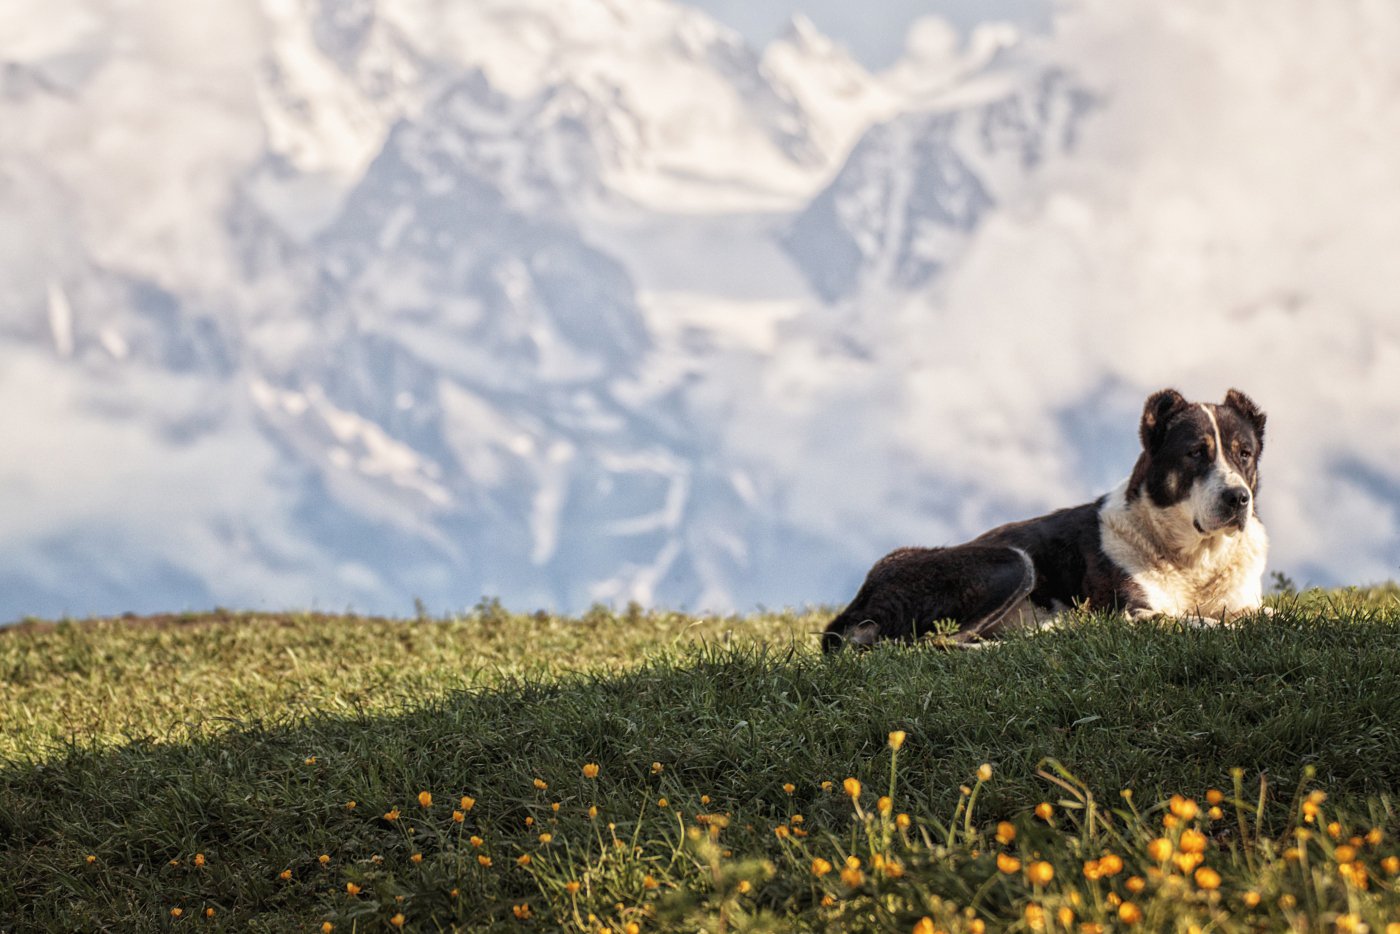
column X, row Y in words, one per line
column 435, row 302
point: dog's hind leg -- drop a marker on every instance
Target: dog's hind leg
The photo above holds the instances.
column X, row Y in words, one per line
column 910, row 591
column 1000, row 579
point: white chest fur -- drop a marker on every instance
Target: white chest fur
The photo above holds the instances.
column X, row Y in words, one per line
column 1180, row 572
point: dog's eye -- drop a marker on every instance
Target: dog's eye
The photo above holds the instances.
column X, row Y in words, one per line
column 1246, row 454
column 1201, row 450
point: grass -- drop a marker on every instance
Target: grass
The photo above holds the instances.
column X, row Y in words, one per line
column 155, row 770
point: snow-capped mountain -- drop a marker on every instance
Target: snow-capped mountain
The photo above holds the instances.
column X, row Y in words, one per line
column 917, row 186
column 351, row 303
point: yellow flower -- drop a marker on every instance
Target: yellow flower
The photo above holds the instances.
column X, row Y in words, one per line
column 649, row 882
column 1250, row 899
column 662, row 802
column 571, row 887
column 324, row 858
column 590, row 770
column 1065, row 916
column 1184, row 808
column 924, row 926
column 826, row 786
column 484, row 860
column 852, row 878
column 209, row 912
column 546, row 837
column 284, row 875
column 554, row 807
column 1344, row 853
column 984, row 772
column 1135, row 884
column 397, row 920
column 1215, row 813
column 1171, row 821
column 458, row 817
column 1006, row 832
column 632, row 927
column 1035, row 917
column 425, row 799
column 1287, row 901
column 392, row 814
column 349, row 805
column 789, row 787
column 828, row 901
column 523, row 860
column 352, row 889
column 521, row 911
column 897, row 739
column 176, row 912
column 91, row 858
column 704, row 799
column 1092, row 872
column 820, row 867
column 1192, row 841
column 852, row 787
column 893, row 869
column 541, row 784
column 884, row 805
column 1207, row 878
column 529, row 822
column 309, row 760
column 1129, row 913
column 976, row 926
column 592, row 811
column 199, row 859
column 852, row 862
column 1040, row 873
column 796, row 819
column 902, row 821
column 1008, row 864
column 1214, row 796
column 474, row 840
column 781, row 831
column 745, row 886
column 1375, row 836
column 657, row 768
column 1391, row 864
column 1188, row 861
column 416, row 858
column 327, row 927
column 1044, row 811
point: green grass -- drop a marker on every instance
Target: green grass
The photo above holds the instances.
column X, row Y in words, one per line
column 128, row 747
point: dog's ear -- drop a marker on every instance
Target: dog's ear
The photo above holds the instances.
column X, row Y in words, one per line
column 1160, row 407
column 1241, row 403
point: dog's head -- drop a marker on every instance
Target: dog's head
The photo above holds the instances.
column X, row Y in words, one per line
column 1200, row 461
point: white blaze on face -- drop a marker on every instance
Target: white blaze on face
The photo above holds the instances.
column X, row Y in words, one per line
column 1207, row 493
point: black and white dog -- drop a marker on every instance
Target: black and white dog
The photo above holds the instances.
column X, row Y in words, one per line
column 1179, row 537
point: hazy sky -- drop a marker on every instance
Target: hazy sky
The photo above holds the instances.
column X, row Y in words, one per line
column 875, row 38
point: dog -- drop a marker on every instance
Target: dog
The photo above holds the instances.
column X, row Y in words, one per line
column 1179, row 537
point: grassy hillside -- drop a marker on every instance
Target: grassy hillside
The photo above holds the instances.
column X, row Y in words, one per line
column 277, row 773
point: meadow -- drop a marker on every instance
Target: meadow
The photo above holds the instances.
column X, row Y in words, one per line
column 638, row 771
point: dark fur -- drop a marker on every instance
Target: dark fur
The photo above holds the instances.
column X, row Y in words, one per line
column 975, row 585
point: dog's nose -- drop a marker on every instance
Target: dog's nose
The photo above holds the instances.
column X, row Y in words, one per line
column 1236, row 498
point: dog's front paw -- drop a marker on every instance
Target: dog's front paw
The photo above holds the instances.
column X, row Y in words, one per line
column 1200, row 622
